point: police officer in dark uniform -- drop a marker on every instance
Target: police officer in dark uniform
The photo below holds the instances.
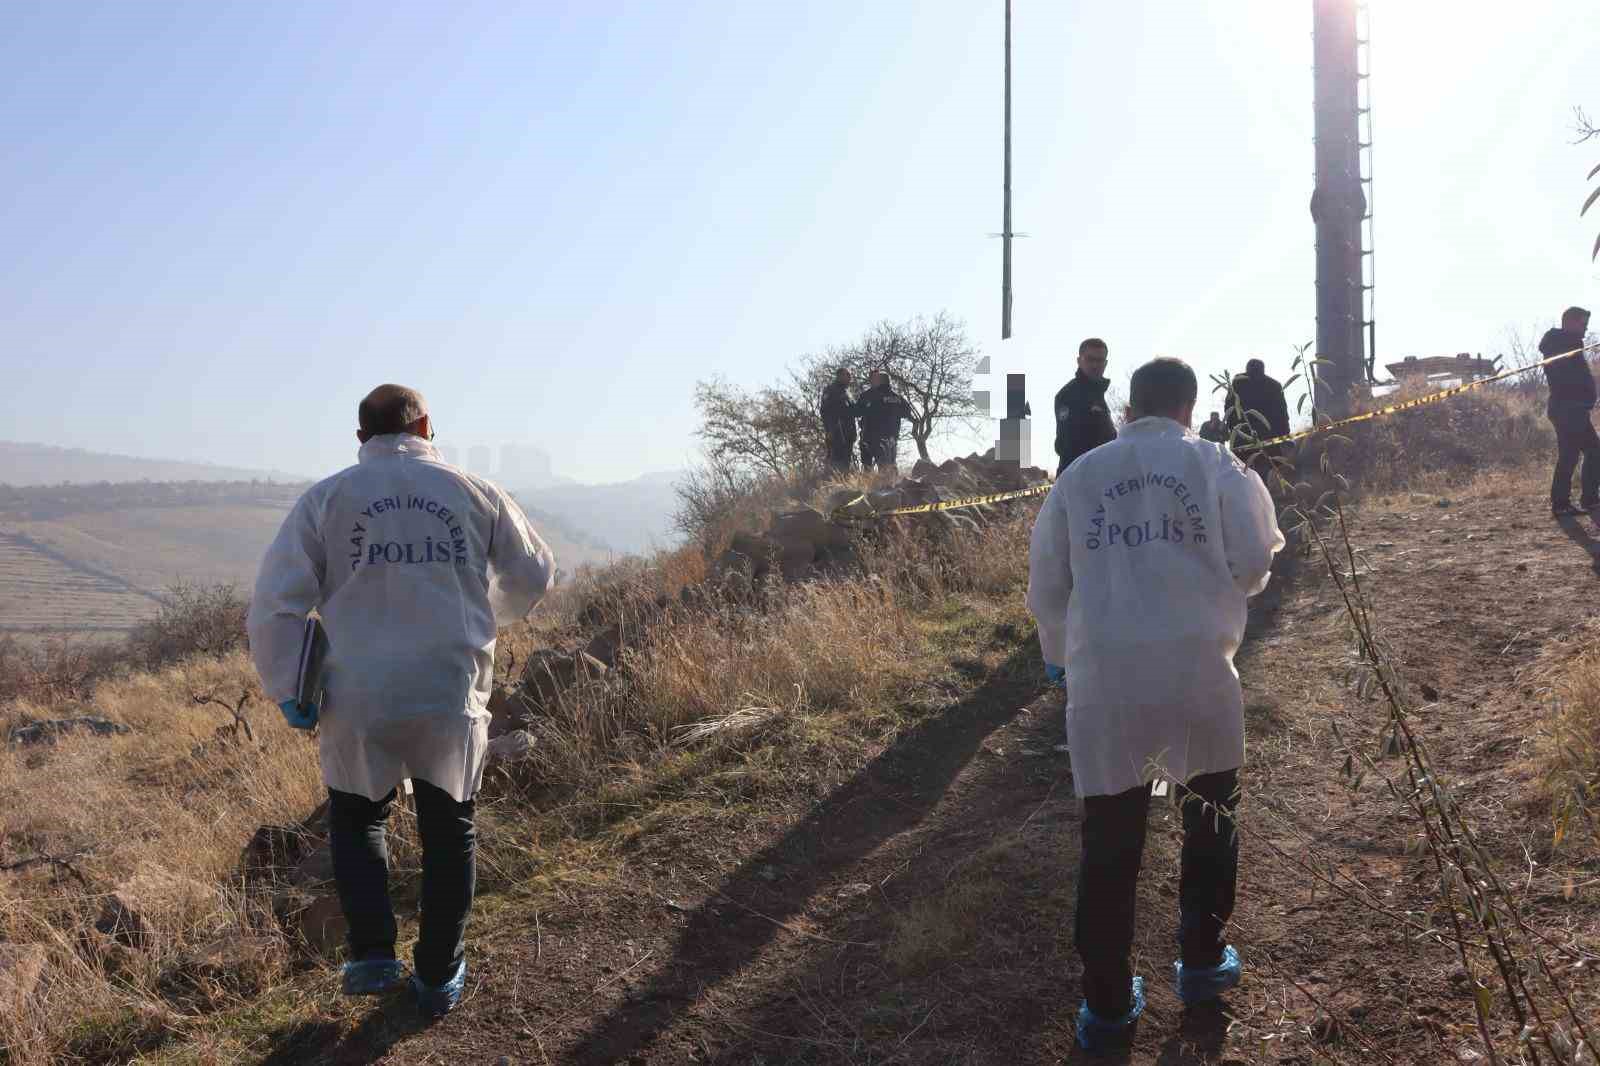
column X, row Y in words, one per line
column 839, row 421
column 1572, row 397
column 1256, row 402
column 1082, row 419
column 881, row 410
column 1213, row 429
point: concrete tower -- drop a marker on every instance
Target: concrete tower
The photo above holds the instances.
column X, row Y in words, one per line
column 1338, row 202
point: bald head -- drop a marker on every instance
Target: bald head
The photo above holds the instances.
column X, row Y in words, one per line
column 391, row 409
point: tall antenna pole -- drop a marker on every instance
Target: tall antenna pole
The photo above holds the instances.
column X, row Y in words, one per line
column 1005, row 225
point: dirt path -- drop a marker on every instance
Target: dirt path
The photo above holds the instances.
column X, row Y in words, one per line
column 922, row 912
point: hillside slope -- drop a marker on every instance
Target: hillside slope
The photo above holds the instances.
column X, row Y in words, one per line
column 98, row 558
column 910, row 900
column 631, row 516
column 44, row 464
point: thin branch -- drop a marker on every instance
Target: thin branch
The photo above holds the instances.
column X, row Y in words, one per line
column 237, row 710
column 61, row 862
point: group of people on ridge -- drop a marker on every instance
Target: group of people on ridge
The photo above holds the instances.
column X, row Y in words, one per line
column 880, row 410
column 1256, row 407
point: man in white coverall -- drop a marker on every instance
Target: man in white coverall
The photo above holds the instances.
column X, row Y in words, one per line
column 412, row 565
column 1142, row 558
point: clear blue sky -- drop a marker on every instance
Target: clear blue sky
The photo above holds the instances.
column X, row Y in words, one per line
column 224, row 221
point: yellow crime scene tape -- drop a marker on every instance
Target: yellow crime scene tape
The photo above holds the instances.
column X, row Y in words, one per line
column 1420, row 401
column 1039, row 490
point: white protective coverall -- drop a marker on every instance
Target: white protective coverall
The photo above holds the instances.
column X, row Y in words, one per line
column 1142, row 558
column 412, row 565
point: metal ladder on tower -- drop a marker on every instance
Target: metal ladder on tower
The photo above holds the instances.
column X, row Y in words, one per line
column 1364, row 143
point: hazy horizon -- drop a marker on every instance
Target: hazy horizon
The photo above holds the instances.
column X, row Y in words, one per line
column 227, row 222
column 37, row 451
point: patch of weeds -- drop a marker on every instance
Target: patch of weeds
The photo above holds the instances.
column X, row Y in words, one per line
column 115, row 1037
column 943, row 926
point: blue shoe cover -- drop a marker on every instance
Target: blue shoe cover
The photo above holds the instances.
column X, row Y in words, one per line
column 1197, row 984
column 436, row 1002
column 1099, row 1034
column 372, row 977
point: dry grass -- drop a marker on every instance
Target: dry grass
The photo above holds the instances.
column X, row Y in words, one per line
column 170, row 806
column 723, row 705
column 1572, row 756
column 1445, row 444
column 718, row 684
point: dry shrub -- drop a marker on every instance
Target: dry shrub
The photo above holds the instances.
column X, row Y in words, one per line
column 716, row 506
column 193, row 620
column 1444, row 443
column 54, row 669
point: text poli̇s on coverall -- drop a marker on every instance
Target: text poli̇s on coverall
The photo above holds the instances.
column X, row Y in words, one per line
column 413, row 566
column 1142, row 557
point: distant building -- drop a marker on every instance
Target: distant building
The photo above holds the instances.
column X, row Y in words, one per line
column 450, row 455
column 523, row 466
column 479, row 457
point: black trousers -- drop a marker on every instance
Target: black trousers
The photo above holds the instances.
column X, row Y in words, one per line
column 880, row 452
column 1108, row 877
column 839, row 451
column 1575, row 436
column 449, row 875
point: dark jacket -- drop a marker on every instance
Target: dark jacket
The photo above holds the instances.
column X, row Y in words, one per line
column 1264, row 405
column 1571, row 383
column 1214, row 431
column 839, row 414
column 1082, row 419
column 881, row 410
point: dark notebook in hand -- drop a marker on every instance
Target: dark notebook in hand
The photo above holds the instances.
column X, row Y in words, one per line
column 313, row 653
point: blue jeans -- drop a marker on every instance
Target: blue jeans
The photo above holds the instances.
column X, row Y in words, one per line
column 449, row 875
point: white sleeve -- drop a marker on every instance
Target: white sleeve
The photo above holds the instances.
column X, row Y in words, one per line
column 1250, row 535
column 287, row 588
column 521, row 566
column 1050, row 575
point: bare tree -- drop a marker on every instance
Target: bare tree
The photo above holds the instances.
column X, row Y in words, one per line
column 775, row 432
column 931, row 363
column 1588, row 131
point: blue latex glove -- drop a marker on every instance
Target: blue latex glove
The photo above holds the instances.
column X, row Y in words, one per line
column 1055, row 675
column 299, row 716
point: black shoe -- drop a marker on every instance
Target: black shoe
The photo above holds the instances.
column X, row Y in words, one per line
column 1564, row 510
